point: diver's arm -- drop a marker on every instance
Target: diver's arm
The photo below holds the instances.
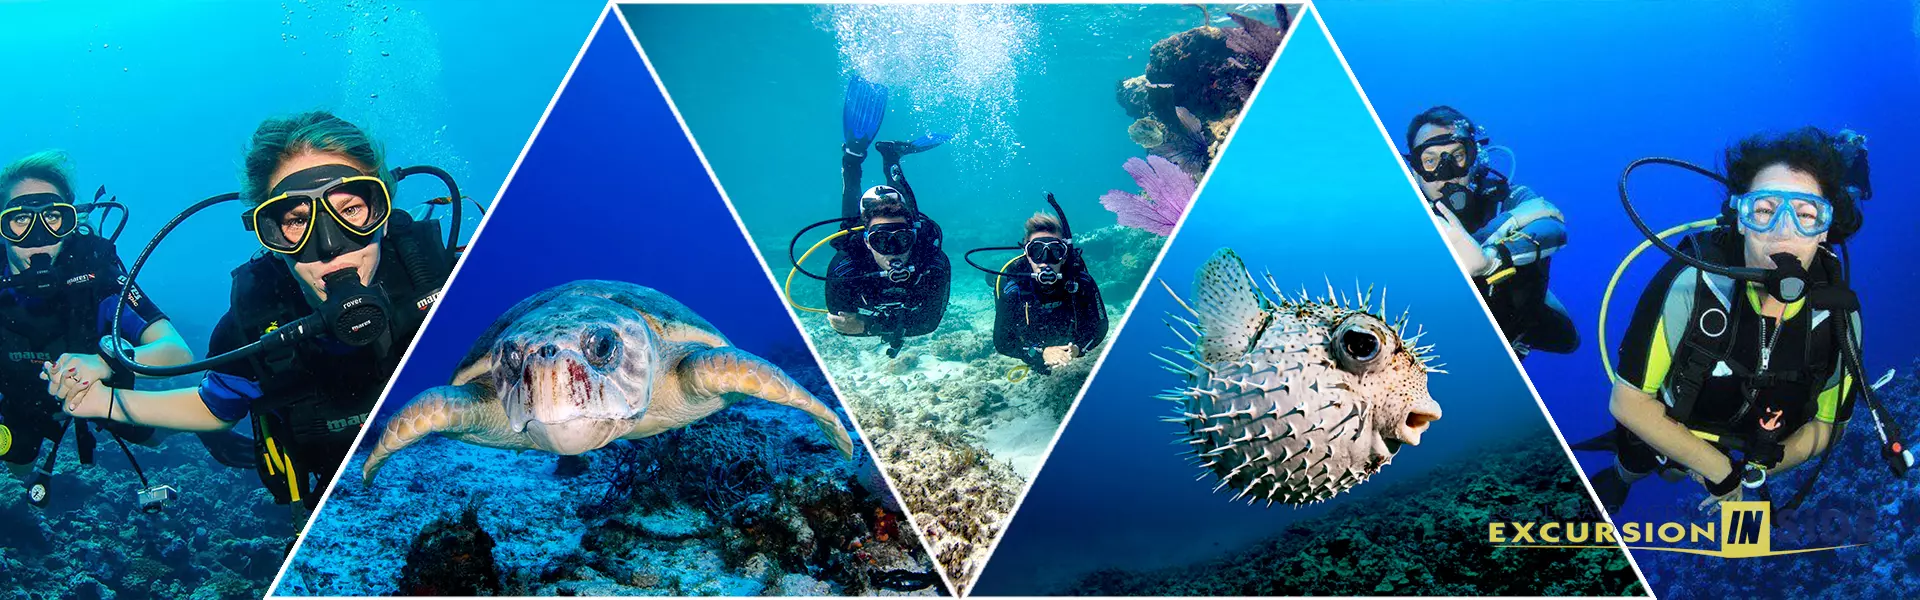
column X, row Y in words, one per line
column 161, row 345
column 1648, row 419
column 1810, row 441
column 1005, row 319
column 1091, row 323
column 935, row 288
column 1466, row 251
column 1535, row 241
column 180, row 409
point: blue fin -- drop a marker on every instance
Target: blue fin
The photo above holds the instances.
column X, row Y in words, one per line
column 864, row 107
column 917, row 145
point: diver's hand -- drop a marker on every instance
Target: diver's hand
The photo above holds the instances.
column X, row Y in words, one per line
column 83, row 398
column 1466, row 251
column 87, row 367
column 1058, row 355
column 1716, row 496
column 847, row 324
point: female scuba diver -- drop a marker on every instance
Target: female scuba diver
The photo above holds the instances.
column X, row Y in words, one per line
column 1747, row 341
column 58, row 286
column 319, row 320
column 889, row 277
column 1049, row 312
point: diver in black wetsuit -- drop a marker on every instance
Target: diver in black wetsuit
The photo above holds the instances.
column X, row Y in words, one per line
column 1054, row 313
column 889, row 278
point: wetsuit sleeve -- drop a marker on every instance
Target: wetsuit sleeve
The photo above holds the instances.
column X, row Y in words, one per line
column 933, row 293
column 141, row 312
column 1090, row 320
column 1645, row 354
column 1006, row 323
column 230, row 390
column 1536, row 240
column 1836, row 399
column 843, row 295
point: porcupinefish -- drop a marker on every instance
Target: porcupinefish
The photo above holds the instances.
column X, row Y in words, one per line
column 1295, row 400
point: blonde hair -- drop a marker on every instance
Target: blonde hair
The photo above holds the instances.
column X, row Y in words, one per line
column 51, row 166
column 1043, row 223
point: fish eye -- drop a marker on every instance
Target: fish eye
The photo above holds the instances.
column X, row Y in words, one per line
column 1358, row 344
column 601, row 346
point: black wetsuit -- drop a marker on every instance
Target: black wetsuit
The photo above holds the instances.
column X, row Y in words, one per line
column 308, row 403
column 1029, row 316
column 1519, row 301
column 69, row 319
column 858, row 285
column 1707, row 369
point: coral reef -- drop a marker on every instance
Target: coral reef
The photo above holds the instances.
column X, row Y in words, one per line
column 1856, row 489
column 451, row 558
column 749, row 501
column 1166, row 190
column 1424, row 537
column 224, row 537
column 956, row 427
column 1194, row 86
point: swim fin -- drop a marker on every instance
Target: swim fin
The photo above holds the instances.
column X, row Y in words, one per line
column 230, row 448
column 1605, row 442
column 861, row 112
column 916, row 146
column 1611, row 488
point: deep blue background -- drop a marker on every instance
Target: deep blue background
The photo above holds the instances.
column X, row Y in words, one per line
column 1308, row 190
column 1580, row 89
column 610, row 189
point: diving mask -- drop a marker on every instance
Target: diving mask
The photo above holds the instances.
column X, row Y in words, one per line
column 289, row 222
column 36, row 220
column 1445, row 157
column 1764, row 210
column 891, row 239
column 1048, row 253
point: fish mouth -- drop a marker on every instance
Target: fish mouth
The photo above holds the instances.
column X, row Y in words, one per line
column 1418, row 419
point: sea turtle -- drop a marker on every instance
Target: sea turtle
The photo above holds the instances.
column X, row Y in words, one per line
column 577, row 366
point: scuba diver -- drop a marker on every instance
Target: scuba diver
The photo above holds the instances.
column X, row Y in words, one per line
column 58, row 286
column 1500, row 233
column 1747, row 342
column 319, row 319
column 1049, row 312
column 889, row 278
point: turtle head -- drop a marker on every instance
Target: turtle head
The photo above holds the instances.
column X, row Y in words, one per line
column 575, row 382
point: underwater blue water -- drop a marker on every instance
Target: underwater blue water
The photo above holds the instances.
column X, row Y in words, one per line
column 1116, row 492
column 590, row 203
column 1027, row 90
column 1579, row 89
column 156, row 101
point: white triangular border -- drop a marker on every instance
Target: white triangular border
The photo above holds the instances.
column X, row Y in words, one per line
column 319, row 509
column 839, row 397
column 1414, row 185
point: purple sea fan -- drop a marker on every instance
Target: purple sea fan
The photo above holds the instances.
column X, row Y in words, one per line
column 1255, row 39
column 1166, row 192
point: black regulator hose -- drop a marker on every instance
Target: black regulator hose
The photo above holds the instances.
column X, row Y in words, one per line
column 1787, row 281
column 453, row 195
column 114, row 348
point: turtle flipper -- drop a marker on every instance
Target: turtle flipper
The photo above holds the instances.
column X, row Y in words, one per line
column 714, row 372
column 466, row 413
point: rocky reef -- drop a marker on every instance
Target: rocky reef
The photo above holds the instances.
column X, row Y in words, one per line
column 1858, row 500
column 1195, row 85
column 1425, row 537
column 223, row 538
column 749, row 501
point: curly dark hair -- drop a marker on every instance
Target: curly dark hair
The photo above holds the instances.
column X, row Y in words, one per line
column 1806, row 150
column 1438, row 116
